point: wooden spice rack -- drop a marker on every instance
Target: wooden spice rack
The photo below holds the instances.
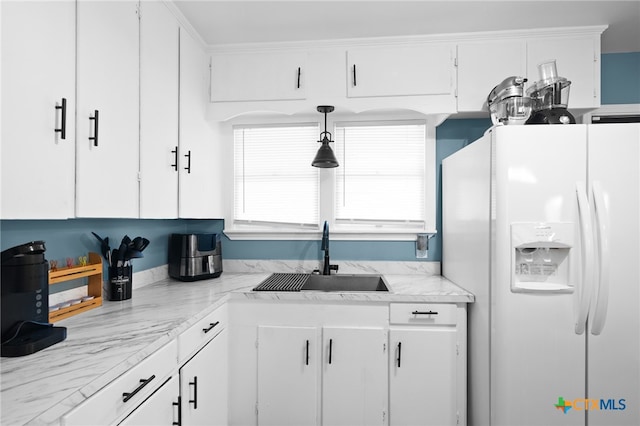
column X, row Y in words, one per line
column 92, row 270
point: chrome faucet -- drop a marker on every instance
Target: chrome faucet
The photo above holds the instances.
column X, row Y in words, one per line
column 327, row 267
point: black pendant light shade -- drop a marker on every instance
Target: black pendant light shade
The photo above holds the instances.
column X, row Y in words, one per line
column 325, row 158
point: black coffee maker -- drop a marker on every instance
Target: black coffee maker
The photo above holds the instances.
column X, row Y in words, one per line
column 25, row 301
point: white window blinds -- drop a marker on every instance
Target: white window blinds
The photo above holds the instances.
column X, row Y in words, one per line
column 274, row 182
column 381, row 178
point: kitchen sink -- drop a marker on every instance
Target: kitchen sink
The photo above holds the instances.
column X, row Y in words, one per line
column 345, row 283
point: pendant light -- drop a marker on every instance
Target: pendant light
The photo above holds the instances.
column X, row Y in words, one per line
column 325, row 157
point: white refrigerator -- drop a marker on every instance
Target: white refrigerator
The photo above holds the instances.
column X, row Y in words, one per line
column 542, row 224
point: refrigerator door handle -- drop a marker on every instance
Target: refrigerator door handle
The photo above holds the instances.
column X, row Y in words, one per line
column 586, row 238
column 601, row 292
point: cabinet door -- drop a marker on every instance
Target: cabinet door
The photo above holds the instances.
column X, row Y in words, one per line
column 159, row 32
column 258, row 76
column 126, row 392
column 107, row 82
column 38, row 72
column 354, row 387
column 483, row 65
column 577, row 59
column 288, row 368
column 199, row 193
column 422, row 376
column 159, row 409
column 401, row 70
column 203, row 385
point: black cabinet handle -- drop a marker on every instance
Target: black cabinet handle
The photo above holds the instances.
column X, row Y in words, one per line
column 143, row 382
column 195, row 392
column 175, row 159
column 330, row 349
column 354, row 76
column 188, row 168
column 94, row 138
column 299, row 77
column 399, row 353
column 211, row 326
column 179, row 405
column 307, row 360
column 63, row 119
column 424, row 313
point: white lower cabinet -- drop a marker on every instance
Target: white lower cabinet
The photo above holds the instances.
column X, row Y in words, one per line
column 427, row 364
column 128, row 392
column 255, row 362
column 354, row 376
column 288, row 367
column 203, row 385
column 161, row 408
column 422, row 371
column 350, row 368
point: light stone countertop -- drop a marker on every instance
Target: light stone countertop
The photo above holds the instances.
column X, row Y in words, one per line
column 105, row 342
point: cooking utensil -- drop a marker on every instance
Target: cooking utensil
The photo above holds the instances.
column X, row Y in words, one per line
column 104, row 246
column 122, row 251
column 143, row 245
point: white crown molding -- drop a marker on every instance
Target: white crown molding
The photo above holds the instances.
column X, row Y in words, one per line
column 182, row 20
column 398, row 40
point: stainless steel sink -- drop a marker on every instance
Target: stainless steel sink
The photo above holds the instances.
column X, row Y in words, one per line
column 345, row 283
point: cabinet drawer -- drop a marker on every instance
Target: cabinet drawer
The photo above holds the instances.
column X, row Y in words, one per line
column 422, row 313
column 201, row 332
column 138, row 383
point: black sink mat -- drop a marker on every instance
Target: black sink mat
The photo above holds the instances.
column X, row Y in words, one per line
column 283, row 282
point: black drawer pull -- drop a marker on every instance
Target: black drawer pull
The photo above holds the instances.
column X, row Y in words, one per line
column 399, row 353
column 424, row 313
column 188, row 155
column 354, row 76
column 143, row 382
column 94, row 138
column 179, row 405
column 175, row 159
column 63, row 119
column 298, row 77
column 330, row 349
column 211, row 326
column 307, row 360
column 195, row 392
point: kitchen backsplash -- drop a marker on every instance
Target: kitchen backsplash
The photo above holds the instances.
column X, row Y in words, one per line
column 345, row 266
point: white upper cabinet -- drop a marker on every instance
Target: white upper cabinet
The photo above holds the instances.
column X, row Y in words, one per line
column 108, row 106
column 401, row 70
column 159, row 38
column 577, row 59
column 199, row 158
column 38, row 103
column 482, row 65
column 258, row 76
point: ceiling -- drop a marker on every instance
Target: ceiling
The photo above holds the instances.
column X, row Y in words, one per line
column 240, row 21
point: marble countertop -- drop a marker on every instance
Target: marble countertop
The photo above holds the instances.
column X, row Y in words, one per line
column 105, row 342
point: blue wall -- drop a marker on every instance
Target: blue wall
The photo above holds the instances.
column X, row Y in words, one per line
column 72, row 238
column 620, row 78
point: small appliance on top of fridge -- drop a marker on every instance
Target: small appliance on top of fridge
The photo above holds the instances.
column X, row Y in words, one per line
column 542, row 224
column 550, row 97
column 195, row 256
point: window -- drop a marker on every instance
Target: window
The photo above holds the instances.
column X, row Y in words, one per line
column 381, row 178
column 274, row 183
column 384, row 188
